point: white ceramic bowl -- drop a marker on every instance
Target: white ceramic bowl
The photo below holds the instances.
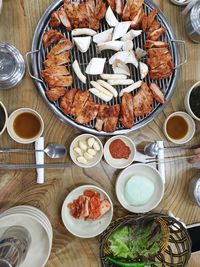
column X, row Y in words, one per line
column 81, row 227
column 179, row 3
column 143, row 170
column 187, row 101
column 96, row 159
column 11, row 131
column 119, row 163
column 6, row 118
column 191, row 128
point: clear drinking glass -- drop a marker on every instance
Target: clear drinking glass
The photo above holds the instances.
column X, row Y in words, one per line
column 14, row 245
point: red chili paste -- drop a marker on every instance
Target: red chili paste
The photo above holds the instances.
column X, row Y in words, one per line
column 119, row 150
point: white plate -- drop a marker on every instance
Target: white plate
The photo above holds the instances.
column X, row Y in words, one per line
column 143, row 170
column 80, row 227
column 40, row 247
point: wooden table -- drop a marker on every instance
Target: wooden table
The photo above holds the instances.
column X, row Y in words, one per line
column 17, row 24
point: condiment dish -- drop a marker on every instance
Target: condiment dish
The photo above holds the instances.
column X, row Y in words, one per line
column 79, row 150
column 12, row 131
column 180, row 2
column 140, row 170
column 3, row 118
column 188, row 128
column 85, row 228
column 187, row 101
column 120, row 163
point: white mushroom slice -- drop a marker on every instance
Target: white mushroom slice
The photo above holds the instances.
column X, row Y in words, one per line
column 99, row 94
column 121, row 29
column 140, row 53
column 78, row 151
column 96, row 146
column 83, row 145
column 110, row 18
column 130, row 35
column 82, row 160
column 101, row 89
column 83, row 31
column 95, row 66
column 127, row 45
column 78, row 72
column 112, row 45
column 83, row 43
column 109, row 87
column 88, row 156
column 113, row 76
column 126, row 57
column 143, row 70
column 92, row 152
column 103, row 37
column 121, row 82
column 130, row 88
column 120, row 67
column 91, row 141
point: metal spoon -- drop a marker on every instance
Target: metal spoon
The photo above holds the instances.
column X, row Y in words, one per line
column 53, row 151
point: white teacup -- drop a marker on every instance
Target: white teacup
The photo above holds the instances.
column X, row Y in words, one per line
column 3, row 118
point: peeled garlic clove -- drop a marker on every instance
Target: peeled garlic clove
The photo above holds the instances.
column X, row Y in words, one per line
column 96, row 146
column 78, row 151
column 91, row 141
column 88, row 156
column 91, row 151
column 83, row 146
column 82, row 160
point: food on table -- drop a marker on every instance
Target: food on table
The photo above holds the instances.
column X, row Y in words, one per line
column 56, row 81
column 79, row 102
column 156, row 34
column 64, row 19
column 157, row 93
column 108, row 86
column 51, row 36
column 120, row 67
column 137, row 20
column 89, row 206
column 78, row 72
column 143, row 70
column 130, row 88
column 55, row 93
column 88, row 112
column 140, row 53
column 100, row 94
column 82, row 43
column 67, row 100
column 119, row 7
column 127, row 111
column 127, row 45
column 55, row 71
column 110, row 18
column 119, row 150
column 83, row 31
column 194, row 101
column 155, row 44
column 121, row 263
column 130, row 35
column 113, row 76
column 54, row 20
column 177, row 127
column 124, row 56
column 138, row 190
column 60, row 59
column 111, row 45
column 120, row 29
column 101, row 89
column 62, row 46
column 103, row 37
column 95, row 66
column 121, row 82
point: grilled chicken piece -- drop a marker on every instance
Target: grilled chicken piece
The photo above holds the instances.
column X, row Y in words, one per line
column 161, row 72
column 151, row 17
column 144, row 23
column 64, row 19
column 67, row 100
column 158, row 44
column 156, row 34
column 157, row 93
column 154, row 62
column 101, row 117
column 88, row 112
column 104, row 207
column 57, row 60
column 54, row 93
column 112, row 4
column 71, row 10
column 55, row 71
column 127, row 111
column 154, row 26
column 137, row 19
column 54, row 20
column 127, row 10
column 51, row 36
column 147, row 92
column 119, row 7
column 90, row 6
column 82, row 16
column 56, row 81
column 100, row 9
column 152, row 52
column 134, row 11
column 80, row 100
column 62, row 46
column 141, row 104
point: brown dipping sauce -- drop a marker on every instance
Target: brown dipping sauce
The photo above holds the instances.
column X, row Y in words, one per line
column 177, row 127
column 195, row 101
column 27, row 125
column 119, row 150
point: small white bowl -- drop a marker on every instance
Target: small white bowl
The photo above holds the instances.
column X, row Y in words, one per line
column 119, row 163
column 178, row 3
column 11, row 131
column 191, row 128
column 96, row 159
column 187, row 101
column 5, row 118
column 81, row 227
column 143, row 170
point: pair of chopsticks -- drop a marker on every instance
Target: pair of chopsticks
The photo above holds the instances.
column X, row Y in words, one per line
column 14, row 166
column 167, row 159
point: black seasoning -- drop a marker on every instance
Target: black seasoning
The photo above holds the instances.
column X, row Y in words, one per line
column 195, row 101
column 2, row 118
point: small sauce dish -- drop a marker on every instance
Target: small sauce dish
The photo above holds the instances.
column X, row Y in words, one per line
column 179, row 127
column 25, row 125
column 123, row 162
column 3, row 118
column 180, row 2
column 192, row 101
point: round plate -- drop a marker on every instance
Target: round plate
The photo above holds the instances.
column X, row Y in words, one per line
column 80, row 227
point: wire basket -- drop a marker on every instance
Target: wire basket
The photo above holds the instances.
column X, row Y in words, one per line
column 174, row 247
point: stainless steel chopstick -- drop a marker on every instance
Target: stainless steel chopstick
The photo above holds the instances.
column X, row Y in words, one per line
column 168, row 159
column 14, row 150
column 11, row 166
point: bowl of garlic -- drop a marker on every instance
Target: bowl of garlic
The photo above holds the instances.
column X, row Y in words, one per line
column 86, row 150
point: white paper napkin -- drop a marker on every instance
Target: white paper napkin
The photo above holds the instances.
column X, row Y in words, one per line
column 39, row 156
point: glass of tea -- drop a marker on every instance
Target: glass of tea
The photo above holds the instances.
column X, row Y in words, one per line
column 192, row 101
column 25, row 125
column 3, row 118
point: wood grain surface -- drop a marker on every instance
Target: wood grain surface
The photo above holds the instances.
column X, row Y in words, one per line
column 17, row 24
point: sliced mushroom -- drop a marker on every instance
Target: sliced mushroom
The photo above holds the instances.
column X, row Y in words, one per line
column 126, row 57
column 108, row 87
column 140, row 53
column 101, row 88
column 95, row 66
column 110, row 18
column 113, row 76
column 121, row 82
column 112, row 45
column 83, row 43
column 143, row 70
column 83, row 31
column 78, row 72
column 130, row 35
column 101, row 95
column 121, row 29
column 103, row 37
column 120, row 67
column 127, row 45
column 130, row 88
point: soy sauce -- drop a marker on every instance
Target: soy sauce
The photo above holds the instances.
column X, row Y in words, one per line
column 195, row 101
column 2, row 118
column 177, row 127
